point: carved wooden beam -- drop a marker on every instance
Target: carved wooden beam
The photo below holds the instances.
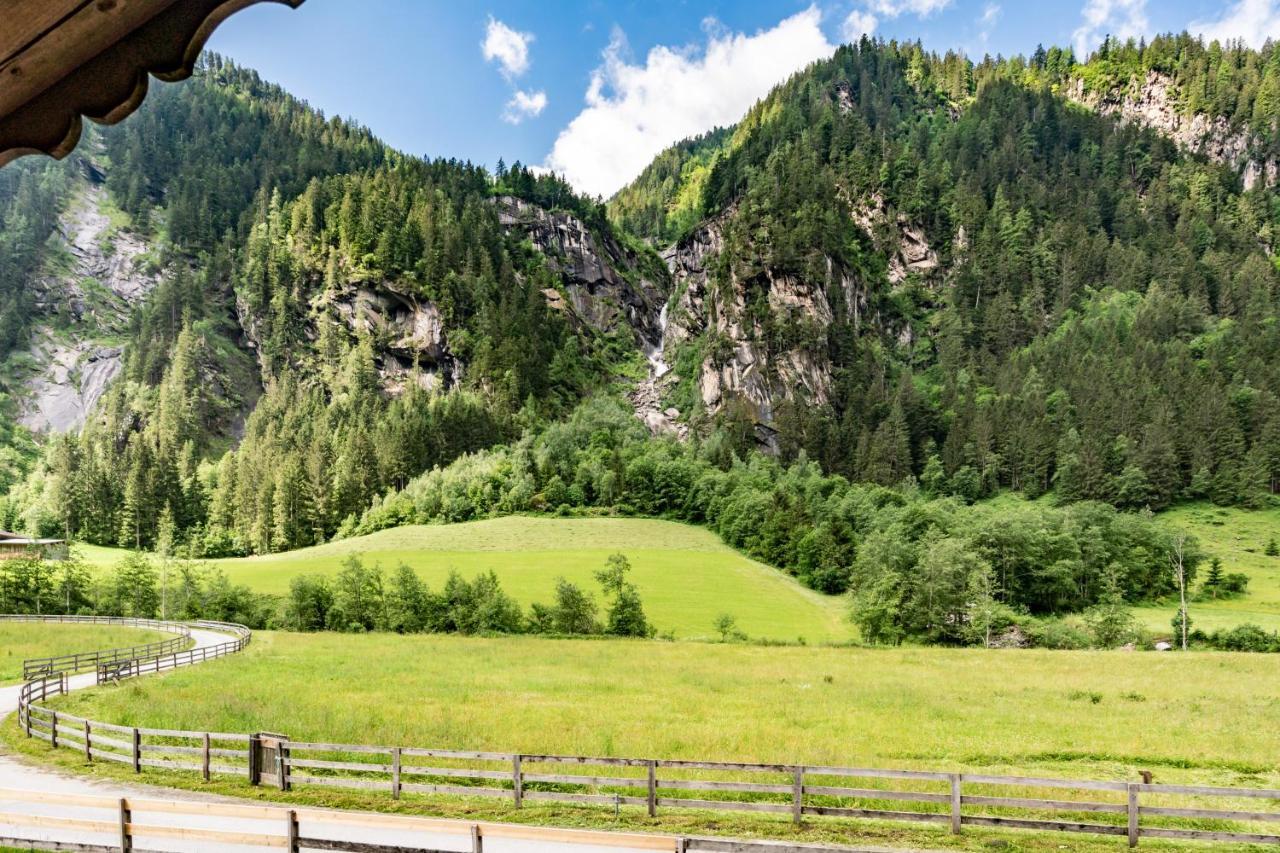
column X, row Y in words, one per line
column 68, row 59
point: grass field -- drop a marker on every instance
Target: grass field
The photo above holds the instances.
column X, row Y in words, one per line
column 1198, row 716
column 686, row 576
column 22, row 640
column 1239, row 538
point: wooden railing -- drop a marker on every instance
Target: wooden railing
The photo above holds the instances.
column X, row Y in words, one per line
column 115, row 670
column 115, row 824
column 953, row 800
column 86, row 661
column 950, row 799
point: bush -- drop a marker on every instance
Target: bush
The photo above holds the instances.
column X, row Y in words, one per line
column 1245, row 638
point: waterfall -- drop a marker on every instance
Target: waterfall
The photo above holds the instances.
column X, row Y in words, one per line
column 657, row 367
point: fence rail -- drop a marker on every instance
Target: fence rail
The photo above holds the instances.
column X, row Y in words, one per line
column 86, row 661
column 120, row 823
column 953, row 800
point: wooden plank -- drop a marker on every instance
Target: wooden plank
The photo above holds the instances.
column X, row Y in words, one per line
column 717, row 765
column 453, row 772
column 295, row 746
column 162, row 764
column 878, row 814
column 317, row 764
column 460, row 755
column 247, row 839
column 737, row 787
column 1047, row 825
column 1039, row 782
column 726, row 805
column 1259, row 793
column 576, row 759
column 203, row 809
column 1206, row 835
column 871, row 773
column 1220, row 814
column 46, row 822
column 338, row 782
column 618, row 781
column 878, row 794
column 1060, row 805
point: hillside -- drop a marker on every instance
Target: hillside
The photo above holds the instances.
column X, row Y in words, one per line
column 685, row 575
column 902, row 283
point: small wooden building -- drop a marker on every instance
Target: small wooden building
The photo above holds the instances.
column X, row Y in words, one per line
column 13, row 545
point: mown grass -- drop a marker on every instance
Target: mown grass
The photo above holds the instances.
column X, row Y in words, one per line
column 22, row 640
column 1198, row 716
column 1239, row 537
column 686, row 575
column 1193, row 718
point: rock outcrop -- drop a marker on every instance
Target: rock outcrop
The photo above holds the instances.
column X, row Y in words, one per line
column 1151, row 103
column 739, row 363
column 410, row 330
column 95, row 274
column 603, row 284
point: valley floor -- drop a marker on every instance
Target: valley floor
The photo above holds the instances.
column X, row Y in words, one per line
column 1199, row 716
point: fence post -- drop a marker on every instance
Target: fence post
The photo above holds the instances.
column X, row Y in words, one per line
column 797, row 795
column 955, row 803
column 137, row 751
column 88, row 749
column 653, row 788
column 53, row 731
column 204, row 758
column 395, row 772
column 282, row 765
column 255, row 772
column 1133, row 814
column 126, row 833
column 477, row 841
column 517, row 781
column 291, row 831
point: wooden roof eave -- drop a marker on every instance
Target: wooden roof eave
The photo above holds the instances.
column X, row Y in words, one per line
column 143, row 38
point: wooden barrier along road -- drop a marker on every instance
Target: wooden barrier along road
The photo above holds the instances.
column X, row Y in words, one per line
column 86, row 661
column 951, row 800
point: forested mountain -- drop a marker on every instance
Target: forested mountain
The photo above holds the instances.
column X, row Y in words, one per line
column 899, row 268
column 907, row 265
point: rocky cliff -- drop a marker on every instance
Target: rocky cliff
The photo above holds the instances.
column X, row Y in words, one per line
column 95, row 273
column 1152, row 102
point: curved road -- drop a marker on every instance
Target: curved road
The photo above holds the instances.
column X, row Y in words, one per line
column 16, row 773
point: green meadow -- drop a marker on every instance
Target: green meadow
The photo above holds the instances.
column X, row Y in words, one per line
column 22, row 640
column 686, row 575
column 1239, row 537
column 1198, row 716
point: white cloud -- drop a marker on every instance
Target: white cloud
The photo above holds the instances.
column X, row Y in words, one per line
column 990, row 14
column 1119, row 18
column 524, row 105
column 508, row 47
column 634, row 111
column 858, row 24
column 1254, row 21
column 894, row 8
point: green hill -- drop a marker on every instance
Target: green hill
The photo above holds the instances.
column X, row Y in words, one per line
column 686, row 576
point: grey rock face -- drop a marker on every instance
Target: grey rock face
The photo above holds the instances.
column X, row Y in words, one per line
column 95, row 275
column 1151, row 103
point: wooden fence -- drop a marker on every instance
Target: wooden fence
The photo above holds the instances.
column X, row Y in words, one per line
column 1130, row 810
column 104, row 824
column 86, row 661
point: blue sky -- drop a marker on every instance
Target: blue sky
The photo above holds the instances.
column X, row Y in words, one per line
column 594, row 89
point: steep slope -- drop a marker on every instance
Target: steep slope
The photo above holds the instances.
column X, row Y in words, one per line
column 95, row 273
column 908, row 265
